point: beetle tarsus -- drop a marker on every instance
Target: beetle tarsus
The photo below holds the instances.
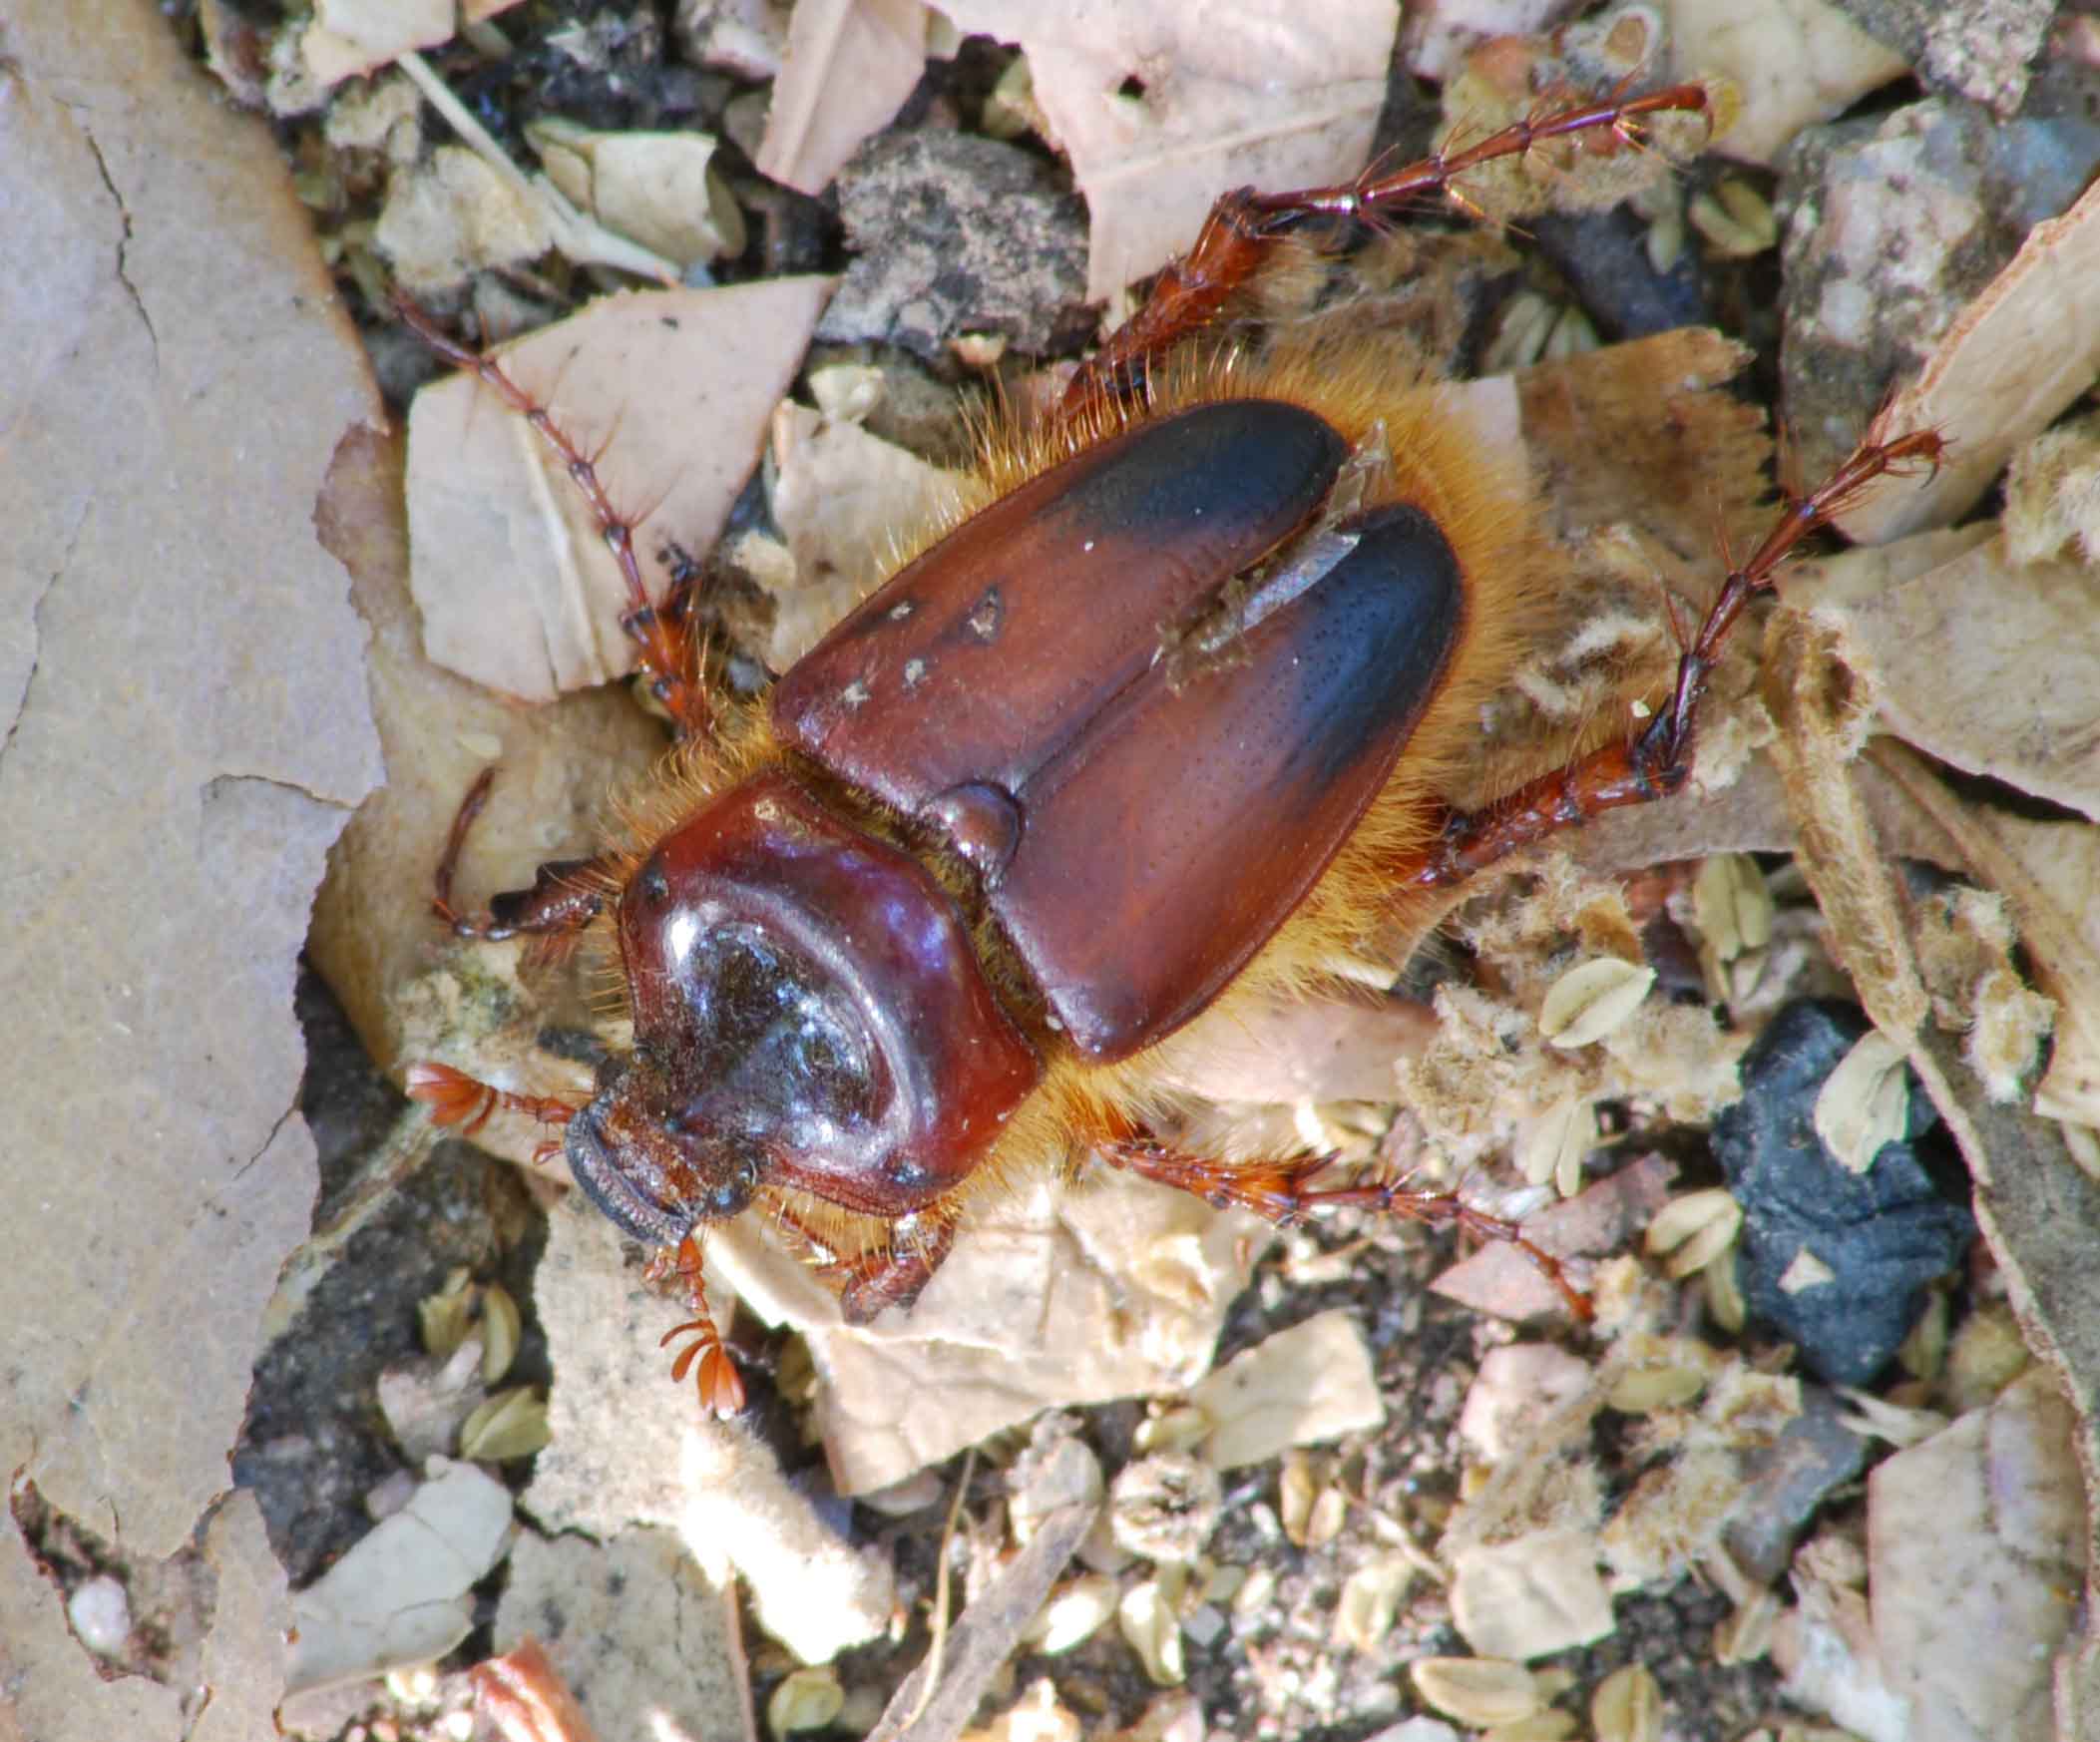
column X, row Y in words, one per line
column 720, row 1386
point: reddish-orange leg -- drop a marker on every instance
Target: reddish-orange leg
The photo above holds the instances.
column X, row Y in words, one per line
column 657, row 631
column 565, row 895
column 455, row 1098
column 1244, row 226
column 1658, row 760
column 1279, row 1192
column 721, row 1387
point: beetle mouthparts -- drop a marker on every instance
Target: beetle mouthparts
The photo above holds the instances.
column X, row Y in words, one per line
column 634, row 1193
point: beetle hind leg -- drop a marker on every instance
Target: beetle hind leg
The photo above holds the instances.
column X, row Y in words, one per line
column 1281, row 1192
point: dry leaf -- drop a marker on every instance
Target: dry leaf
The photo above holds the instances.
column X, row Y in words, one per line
column 1792, row 64
column 2015, row 357
column 850, row 65
column 350, row 38
column 672, row 392
column 1476, row 1690
column 1311, row 1383
column 1162, row 109
column 1953, row 654
column 1593, row 999
column 1976, row 1541
column 402, row 1594
column 657, row 189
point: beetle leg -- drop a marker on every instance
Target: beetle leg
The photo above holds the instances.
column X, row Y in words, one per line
column 565, row 893
column 1280, row 1192
column 663, row 648
column 721, row 1387
column 894, row 1275
column 455, row 1098
column 1657, row 761
column 876, row 1280
column 1244, row 226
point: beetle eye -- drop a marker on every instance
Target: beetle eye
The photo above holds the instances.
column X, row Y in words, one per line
column 729, row 1198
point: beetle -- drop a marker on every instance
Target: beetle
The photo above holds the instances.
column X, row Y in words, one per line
column 1158, row 719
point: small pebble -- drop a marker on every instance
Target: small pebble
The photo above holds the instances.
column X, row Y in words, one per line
column 100, row 1616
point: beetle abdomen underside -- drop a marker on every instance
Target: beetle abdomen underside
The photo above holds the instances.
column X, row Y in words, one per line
column 1143, row 821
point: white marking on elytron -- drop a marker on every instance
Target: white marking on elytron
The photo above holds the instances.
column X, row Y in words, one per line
column 854, row 693
column 914, row 674
column 1088, row 546
column 901, row 609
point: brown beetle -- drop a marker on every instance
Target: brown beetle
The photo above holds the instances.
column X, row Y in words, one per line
column 1154, row 725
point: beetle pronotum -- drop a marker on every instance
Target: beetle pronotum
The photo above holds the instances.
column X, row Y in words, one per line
column 926, row 913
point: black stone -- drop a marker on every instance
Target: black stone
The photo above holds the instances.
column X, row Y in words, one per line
column 1884, row 1234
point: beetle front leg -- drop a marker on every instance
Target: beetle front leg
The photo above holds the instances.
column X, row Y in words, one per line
column 1281, row 1192
column 659, row 631
column 721, row 1387
column 565, row 893
column 1657, row 761
column 455, row 1098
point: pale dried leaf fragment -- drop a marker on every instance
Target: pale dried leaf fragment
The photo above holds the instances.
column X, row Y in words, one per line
column 455, row 216
column 673, row 391
column 1627, row 1706
column 1535, row 1594
column 1650, row 1389
column 661, row 190
column 1370, row 1600
column 1476, row 1690
column 1269, row 93
column 1311, row 1383
column 1977, row 1542
column 444, row 1317
column 350, row 38
column 806, row 1699
column 1792, row 63
column 1806, row 1270
column 402, row 1594
column 849, row 66
column 1554, row 1145
column 1732, row 905
column 1073, row 1614
column 846, row 502
column 2009, row 689
column 501, row 1327
column 1693, row 1230
column 2012, row 360
column 512, row 1424
column 1592, row 999
column 1153, row 1629
column 1865, row 1102
column 1737, row 221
